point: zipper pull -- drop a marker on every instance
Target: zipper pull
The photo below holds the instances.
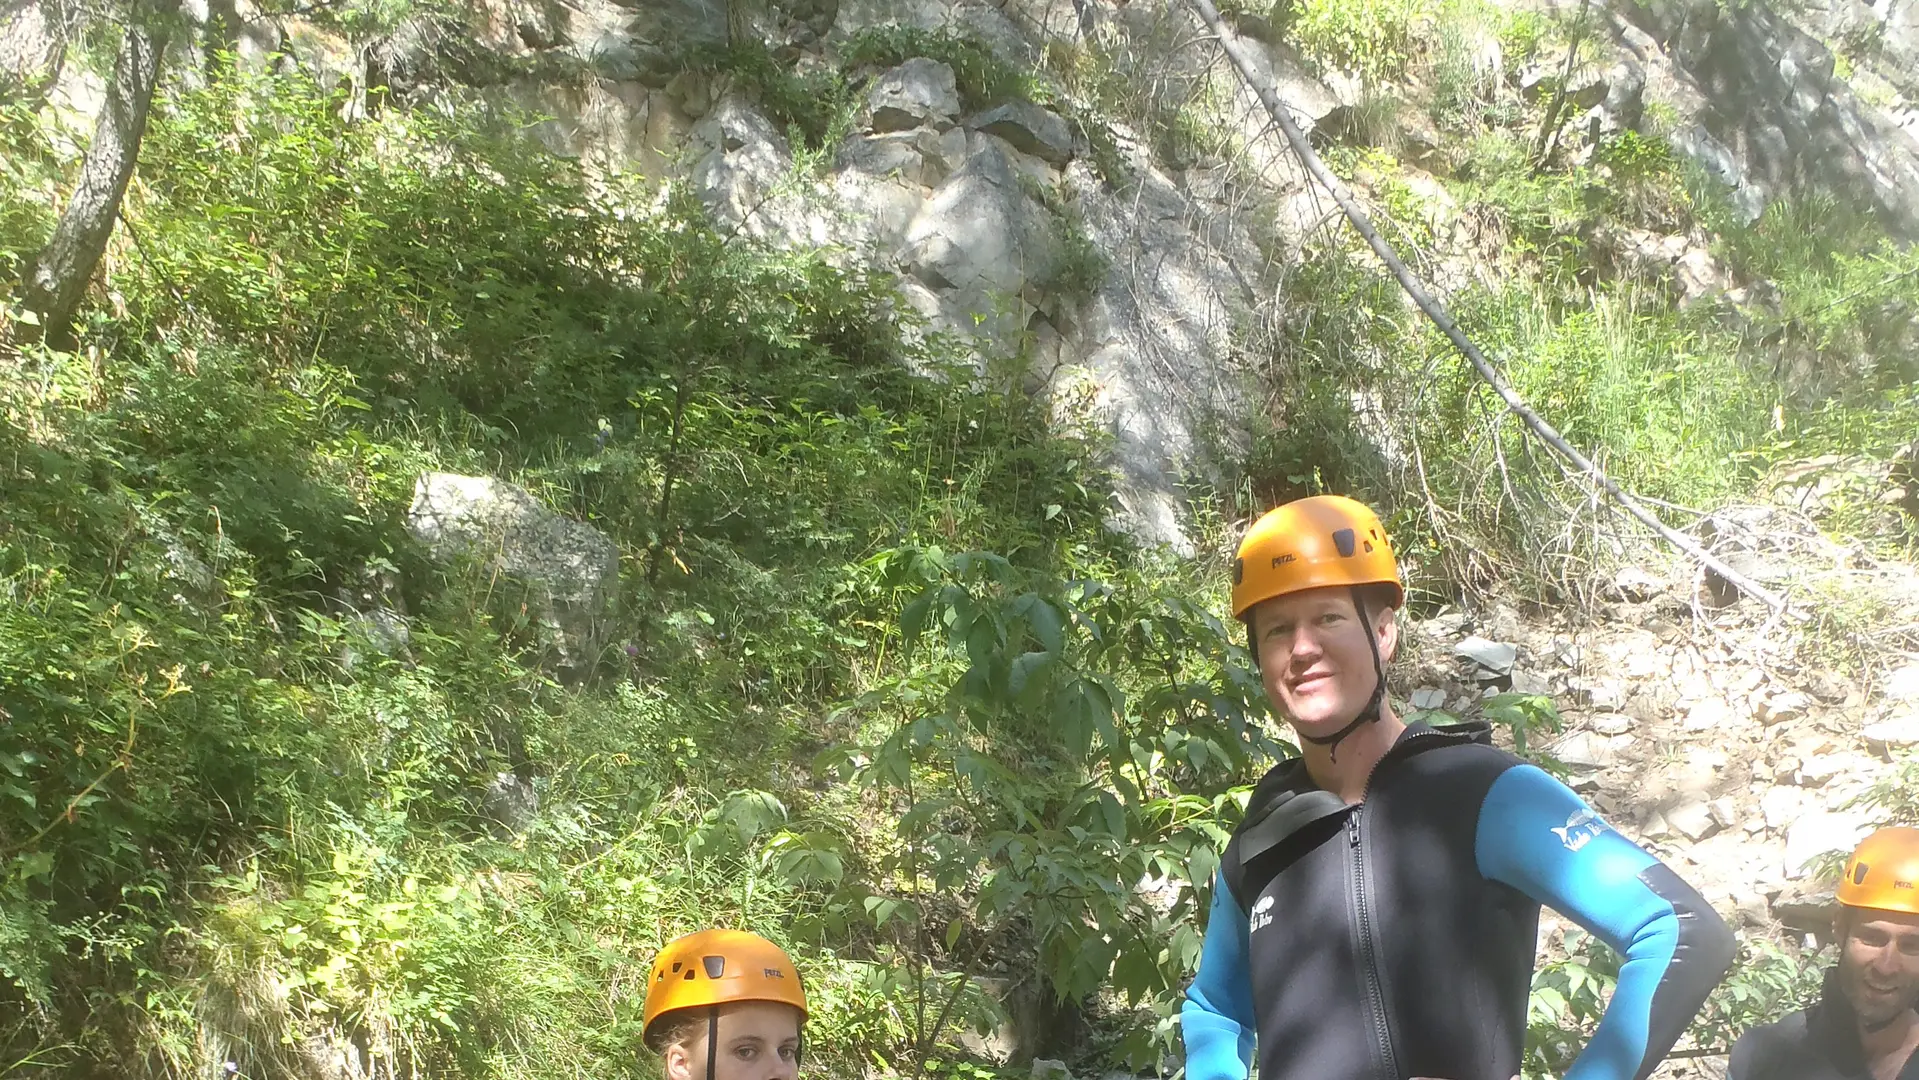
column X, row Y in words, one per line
column 1352, row 827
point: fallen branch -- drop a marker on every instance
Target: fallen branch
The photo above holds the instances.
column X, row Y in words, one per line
column 1437, row 313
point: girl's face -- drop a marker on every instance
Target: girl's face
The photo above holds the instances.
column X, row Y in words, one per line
column 759, row 1040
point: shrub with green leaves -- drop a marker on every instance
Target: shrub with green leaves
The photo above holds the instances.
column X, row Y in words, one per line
column 238, row 818
column 1065, row 740
column 1374, row 39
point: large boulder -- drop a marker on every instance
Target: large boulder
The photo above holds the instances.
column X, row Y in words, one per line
column 915, row 94
column 569, row 570
column 979, row 242
column 746, row 179
column 1029, row 129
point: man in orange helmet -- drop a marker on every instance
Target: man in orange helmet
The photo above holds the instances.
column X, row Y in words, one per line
column 1376, row 910
column 725, row 1005
column 1863, row 1026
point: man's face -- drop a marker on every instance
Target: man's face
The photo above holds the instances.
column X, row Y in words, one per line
column 1314, row 659
column 1879, row 963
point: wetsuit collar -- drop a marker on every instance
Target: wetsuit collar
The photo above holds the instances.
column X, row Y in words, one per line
column 1418, row 737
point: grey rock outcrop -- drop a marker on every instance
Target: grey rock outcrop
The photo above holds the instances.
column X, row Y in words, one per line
column 982, row 240
column 646, row 45
column 509, row 803
column 1761, row 108
column 1029, row 129
column 917, row 93
column 978, row 19
column 747, row 160
column 30, row 46
column 569, row 569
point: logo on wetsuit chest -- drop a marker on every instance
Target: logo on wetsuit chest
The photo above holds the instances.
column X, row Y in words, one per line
column 1262, row 913
column 1580, row 829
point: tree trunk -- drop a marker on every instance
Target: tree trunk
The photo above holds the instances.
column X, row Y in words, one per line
column 59, row 274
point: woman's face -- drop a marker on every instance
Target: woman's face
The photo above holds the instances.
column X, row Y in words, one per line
column 1314, row 657
column 759, row 1040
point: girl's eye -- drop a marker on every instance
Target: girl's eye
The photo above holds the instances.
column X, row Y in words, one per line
column 789, row 1053
column 747, row 1052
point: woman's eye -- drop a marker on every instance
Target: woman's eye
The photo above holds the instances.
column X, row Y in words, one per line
column 747, row 1053
column 789, row 1053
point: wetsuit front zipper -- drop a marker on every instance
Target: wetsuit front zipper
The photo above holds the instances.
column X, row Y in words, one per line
column 1368, row 952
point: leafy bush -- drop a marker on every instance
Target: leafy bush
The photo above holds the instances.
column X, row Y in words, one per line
column 236, row 816
column 1374, row 39
column 1570, row 992
column 1069, row 739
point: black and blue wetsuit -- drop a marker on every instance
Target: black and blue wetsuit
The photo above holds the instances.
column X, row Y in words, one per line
column 1395, row 938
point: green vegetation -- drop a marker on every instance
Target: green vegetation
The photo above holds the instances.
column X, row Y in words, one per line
column 1373, row 38
column 1691, row 406
column 233, row 823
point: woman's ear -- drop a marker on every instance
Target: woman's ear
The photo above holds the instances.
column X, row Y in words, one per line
column 1386, row 629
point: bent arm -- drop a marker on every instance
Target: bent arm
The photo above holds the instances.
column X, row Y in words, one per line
column 1216, row 1020
column 1537, row 836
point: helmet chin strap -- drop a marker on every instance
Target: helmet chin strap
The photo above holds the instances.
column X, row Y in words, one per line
column 1371, row 712
column 712, row 1041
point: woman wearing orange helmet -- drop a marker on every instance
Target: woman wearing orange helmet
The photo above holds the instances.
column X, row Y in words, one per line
column 725, row 1005
column 1376, row 909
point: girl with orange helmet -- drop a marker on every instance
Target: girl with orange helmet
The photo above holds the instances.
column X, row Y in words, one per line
column 725, row 1005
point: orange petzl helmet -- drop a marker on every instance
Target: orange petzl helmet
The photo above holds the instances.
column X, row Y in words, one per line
column 719, row 967
column 1309, row 543
column 1883, row 872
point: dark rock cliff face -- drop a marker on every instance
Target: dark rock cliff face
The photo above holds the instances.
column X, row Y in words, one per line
column 1774, row 118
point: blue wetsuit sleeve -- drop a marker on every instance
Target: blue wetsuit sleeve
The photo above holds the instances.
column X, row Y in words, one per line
column 1535, row 835
column 1216, row 1020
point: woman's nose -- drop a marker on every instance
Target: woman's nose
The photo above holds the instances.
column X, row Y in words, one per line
column 1306, row 645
